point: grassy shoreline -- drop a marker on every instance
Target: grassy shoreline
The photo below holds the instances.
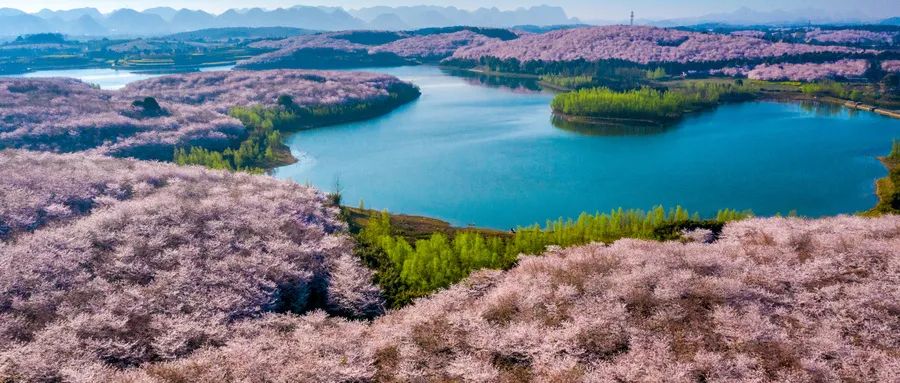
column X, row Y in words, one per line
column 888, row 188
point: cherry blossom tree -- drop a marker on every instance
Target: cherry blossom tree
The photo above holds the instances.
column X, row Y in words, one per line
column 140, row 261
column 891, row 66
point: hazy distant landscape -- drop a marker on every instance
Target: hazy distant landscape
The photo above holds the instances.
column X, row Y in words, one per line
column 124, row 22
column 159, row 21
column 615, row 192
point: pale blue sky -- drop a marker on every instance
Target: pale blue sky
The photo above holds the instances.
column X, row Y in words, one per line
column 584, row 9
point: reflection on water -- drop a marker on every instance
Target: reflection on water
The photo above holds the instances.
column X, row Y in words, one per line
column 516, row 84
column 609, row 128
column 826, row 109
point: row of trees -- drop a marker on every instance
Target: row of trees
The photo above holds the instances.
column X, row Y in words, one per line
column 407, row 270
column 830, row 88
column 568, row 82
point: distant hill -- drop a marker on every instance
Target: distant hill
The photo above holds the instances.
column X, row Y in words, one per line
column 422, row 16
column 240, row 33
column 23, row 24
column 167, row 13
column 891, row 21
column 131, row 22
column 42, row 38
column 70, row 15
column 10, row 12
column 546, row 28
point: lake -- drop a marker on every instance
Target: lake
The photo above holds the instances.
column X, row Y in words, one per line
column 483, row 151
column 106, row 78
column 472, row 151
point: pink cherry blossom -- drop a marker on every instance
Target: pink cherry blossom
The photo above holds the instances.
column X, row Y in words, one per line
column 66, row 115
column 436, row 46
column 143, row 261
column 429, row 47
column 779, row 299
column 639, row 44
column 851, row 36
column 891, row 66
column 809, row 72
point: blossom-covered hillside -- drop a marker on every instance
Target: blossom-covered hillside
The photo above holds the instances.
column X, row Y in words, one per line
column 434, row 47
column 65, row 115
column 640, row 45
column 340, row 49
column 779, row 299
column 851, row 36
column 226, row 89
column 809, row 72
column 892, row 66
column 115, row 263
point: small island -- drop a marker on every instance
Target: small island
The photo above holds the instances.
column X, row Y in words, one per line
column 645, row 105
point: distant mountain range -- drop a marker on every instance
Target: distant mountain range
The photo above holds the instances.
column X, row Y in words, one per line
column 164, row 20
column 424, row 16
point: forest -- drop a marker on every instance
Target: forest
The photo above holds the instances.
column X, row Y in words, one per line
column 567, row 82
column 648, row 104
column 409, row 268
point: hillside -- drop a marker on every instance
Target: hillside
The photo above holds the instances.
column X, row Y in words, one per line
column 370, row 48
column 188, row 110
column 677, row 51
column 638, row 44
column 119, row 262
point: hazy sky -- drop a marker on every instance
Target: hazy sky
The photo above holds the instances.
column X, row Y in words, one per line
column 583, row 9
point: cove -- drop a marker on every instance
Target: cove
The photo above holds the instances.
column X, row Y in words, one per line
column 476, row 151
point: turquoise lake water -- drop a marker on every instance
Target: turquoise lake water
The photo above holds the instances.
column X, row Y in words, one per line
column 470, row 151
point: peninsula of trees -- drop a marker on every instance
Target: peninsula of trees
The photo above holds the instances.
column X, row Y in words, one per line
column 240, row 111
